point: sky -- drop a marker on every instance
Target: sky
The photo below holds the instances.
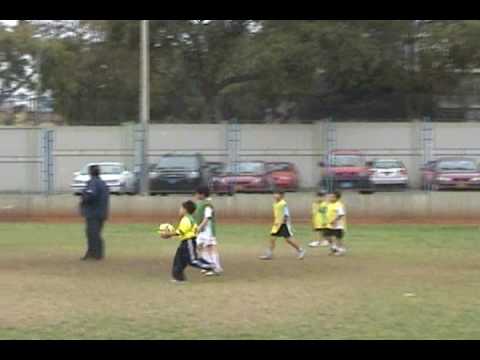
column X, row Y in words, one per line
column 9, row 22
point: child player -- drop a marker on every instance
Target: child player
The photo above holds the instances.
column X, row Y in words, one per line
column 187, row 251
column 336, row 224
column 206, row 240
column 319, row 219
column 281, row 227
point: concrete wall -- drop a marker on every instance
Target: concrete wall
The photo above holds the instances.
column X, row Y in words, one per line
column 411, row 206
column 20, row 160
column 301, row 144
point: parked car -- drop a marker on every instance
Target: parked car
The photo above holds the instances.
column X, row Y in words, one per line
column 284, row 175
column 388, row 173
column 243, row 176
column 346, row 169
column 215, row 167
column 451, row 173
column 179, row 174
column 138, row 175
column 119, row 180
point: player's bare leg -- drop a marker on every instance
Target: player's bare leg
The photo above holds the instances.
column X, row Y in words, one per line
column 318, row 241
column 269, row 253
column 296, row 246
column 340, row 247
column 333, row 245
column 324, row 242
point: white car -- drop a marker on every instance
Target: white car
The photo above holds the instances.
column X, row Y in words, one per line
column 118, row 179
column 388, row 172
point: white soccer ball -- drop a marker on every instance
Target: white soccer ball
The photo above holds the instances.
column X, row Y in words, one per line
column 164, row 228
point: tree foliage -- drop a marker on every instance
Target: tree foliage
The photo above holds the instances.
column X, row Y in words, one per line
column 213, row 70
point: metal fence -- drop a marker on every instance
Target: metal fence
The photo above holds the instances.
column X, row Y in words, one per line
column 35, row 160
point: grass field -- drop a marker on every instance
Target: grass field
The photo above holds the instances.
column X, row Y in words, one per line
column 47, row 293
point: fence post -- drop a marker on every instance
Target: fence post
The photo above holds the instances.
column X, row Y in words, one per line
column 330, row 145
column 47, row 167
column 233, row 147
column 427, row 145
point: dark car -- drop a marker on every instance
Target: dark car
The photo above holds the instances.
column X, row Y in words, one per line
column 179, row 174
column 138, row 174
column 451, row 173
column 215, row 167
column 284, row 175
column 243, row 176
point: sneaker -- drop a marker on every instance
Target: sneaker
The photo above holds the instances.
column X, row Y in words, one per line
column 333, row 251
column 213, row 273
column 341, row 252
column 324, row 243
column 301, row 254
column 173, row 281
column 203, row 271
column 266, row 257
column 314, row 244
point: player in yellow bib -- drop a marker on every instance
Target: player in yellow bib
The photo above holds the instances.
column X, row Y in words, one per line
column 282, row 227
column 336, row 224
column 186, row 254
column 319, row 220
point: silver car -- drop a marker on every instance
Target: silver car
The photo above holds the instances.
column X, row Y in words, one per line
column 118, row 179
column 388, row 173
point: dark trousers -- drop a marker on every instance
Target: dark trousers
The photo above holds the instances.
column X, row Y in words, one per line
column 187, row 255
column 95, row 248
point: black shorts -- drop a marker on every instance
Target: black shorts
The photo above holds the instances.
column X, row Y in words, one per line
column 322, row 231
column 284, row 232
column 335, row 233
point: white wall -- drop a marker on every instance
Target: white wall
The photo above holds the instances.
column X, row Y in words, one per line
column 301, row 144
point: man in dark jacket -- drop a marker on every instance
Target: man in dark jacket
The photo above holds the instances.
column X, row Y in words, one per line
column 94, row 208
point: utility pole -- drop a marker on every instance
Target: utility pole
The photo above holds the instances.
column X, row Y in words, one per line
column 38, row 89
column 144, row 102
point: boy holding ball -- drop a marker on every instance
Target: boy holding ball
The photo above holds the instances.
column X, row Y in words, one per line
column 186, row 253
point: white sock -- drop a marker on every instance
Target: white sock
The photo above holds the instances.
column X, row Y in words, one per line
column 205, row 255
column 216, row 260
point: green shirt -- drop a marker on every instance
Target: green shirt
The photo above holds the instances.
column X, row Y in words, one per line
column 199, row 215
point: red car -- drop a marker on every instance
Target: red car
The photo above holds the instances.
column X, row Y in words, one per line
column 346, row 169
column 284, row 175
column 244, row 176
column 451, row 173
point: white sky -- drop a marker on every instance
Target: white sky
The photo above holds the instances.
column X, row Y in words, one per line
column 9, row 22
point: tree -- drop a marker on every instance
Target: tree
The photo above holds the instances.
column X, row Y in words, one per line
column 205, row 58
column 16, row 70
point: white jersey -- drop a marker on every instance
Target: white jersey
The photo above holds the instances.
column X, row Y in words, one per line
column 340, row 211
column 207, row 230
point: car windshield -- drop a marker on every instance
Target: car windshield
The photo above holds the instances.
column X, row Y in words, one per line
column 457, row 165
column 216, row 168
column 390, row 164
column 178, row 162
column 106, row 169
column 246, row 168
column 279, row 167
column 346, row 161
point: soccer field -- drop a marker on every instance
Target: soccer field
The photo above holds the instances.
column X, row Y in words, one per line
column 397, row 282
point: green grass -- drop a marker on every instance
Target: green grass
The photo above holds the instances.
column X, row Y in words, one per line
column 47, row 293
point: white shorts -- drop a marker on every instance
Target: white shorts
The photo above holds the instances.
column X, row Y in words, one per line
column 205, row 240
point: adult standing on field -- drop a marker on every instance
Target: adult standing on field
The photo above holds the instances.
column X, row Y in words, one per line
column 94, row 208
